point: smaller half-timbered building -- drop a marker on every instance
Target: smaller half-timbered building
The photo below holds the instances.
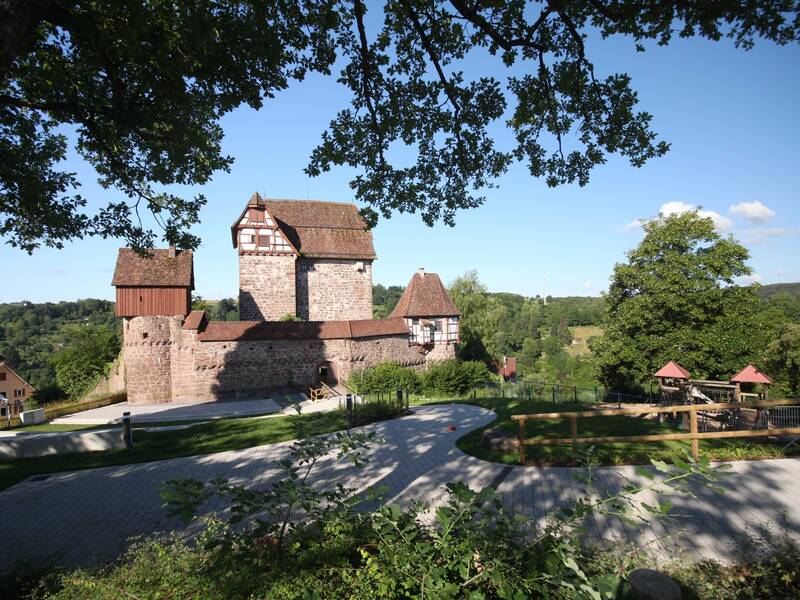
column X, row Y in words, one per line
column 429, row 313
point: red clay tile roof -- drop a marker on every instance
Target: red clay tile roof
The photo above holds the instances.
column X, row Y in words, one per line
column 231, row 331
column 425, row 296
column 160, row 270
column 377, row 327
column 194, row 320
column 318, row 229
column 672, row 370
column 750, row 375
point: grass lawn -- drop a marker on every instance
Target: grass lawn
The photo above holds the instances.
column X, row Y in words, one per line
column 203, row 438
column 606, row 454
column 582, row 334
column 53, row 428
column 63, row 427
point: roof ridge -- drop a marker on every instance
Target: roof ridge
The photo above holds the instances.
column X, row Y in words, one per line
column 334, row 202
column 325, row 227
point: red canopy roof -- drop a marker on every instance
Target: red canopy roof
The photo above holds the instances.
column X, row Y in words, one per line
column 750, row 375
column 672, row 370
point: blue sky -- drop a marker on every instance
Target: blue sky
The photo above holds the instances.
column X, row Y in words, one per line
column 731, row 116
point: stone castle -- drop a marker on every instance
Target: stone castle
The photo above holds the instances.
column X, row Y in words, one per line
column 305, row 306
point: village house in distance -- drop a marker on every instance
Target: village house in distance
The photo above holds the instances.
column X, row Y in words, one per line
column 298, row 259
column 14, row 391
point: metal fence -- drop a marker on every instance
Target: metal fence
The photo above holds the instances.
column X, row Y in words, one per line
column 362, row 408
column 556, row 393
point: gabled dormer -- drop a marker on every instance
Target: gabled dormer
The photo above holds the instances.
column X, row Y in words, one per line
column 256, row 232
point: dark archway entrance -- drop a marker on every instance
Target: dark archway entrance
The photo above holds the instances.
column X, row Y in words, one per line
column 327, row 373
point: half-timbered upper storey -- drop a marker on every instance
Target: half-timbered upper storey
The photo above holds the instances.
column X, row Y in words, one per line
column 306, row 228
column 257, row 232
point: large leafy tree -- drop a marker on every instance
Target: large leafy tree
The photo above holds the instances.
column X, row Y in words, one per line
column 142, row 85
column 783, row 357
column 85, row 358
column 676, row 298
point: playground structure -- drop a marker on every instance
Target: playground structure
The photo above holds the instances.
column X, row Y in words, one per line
column 748, row 385
column 677, row 387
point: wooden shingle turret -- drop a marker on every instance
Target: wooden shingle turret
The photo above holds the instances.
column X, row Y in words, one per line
column 160, row 283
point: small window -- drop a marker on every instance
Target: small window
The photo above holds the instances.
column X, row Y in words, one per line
column 144, row 336
column 255, row 216
column 263, row 241
column 3, row 375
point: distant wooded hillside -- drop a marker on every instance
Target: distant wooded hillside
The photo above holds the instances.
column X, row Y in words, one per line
column 509, row 324
column 30, row 334
column 773, row 289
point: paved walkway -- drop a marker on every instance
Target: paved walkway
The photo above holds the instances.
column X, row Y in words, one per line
column 80, row 517
column 152, row 413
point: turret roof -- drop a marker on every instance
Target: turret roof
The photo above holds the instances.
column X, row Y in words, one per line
column 425, row 296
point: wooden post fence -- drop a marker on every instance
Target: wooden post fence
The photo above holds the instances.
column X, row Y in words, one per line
column 694, row 435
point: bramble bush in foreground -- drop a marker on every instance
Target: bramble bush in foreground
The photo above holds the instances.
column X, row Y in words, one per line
column 297, row 539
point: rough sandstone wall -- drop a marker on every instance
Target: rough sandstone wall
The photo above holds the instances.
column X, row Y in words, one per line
column 223, row 370
column 368, row 352
column 220, row 370
column 334, row 290
column 147, row 352
column 266, row 287
column 172, row 365
column 441, row 352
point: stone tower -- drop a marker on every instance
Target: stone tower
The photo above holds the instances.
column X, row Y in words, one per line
column 303, row 258
column 153, row 295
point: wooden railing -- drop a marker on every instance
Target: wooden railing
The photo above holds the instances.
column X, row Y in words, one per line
column 694, row 435
column 322, row 392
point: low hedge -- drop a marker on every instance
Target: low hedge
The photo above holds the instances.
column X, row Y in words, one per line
column 444, row 378
column 454, row 378
column 53, row 411
column 60, row 409
column 384, row 377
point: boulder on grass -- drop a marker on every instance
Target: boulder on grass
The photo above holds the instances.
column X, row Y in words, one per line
column 647, row 584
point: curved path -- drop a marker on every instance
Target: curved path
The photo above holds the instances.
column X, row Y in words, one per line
column 80, row 517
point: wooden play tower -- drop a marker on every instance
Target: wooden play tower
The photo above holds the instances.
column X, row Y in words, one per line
column 677, row 386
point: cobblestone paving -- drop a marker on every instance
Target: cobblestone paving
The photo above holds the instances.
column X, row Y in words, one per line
column 85, row 516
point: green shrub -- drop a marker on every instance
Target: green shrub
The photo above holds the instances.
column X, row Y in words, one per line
column 454, row 378
column 85, row 358
column 384, row 377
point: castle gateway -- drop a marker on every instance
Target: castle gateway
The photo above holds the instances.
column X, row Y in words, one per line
column 305, row 306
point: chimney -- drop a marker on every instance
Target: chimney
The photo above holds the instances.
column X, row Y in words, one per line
column 171, row 251
column 421, row 271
